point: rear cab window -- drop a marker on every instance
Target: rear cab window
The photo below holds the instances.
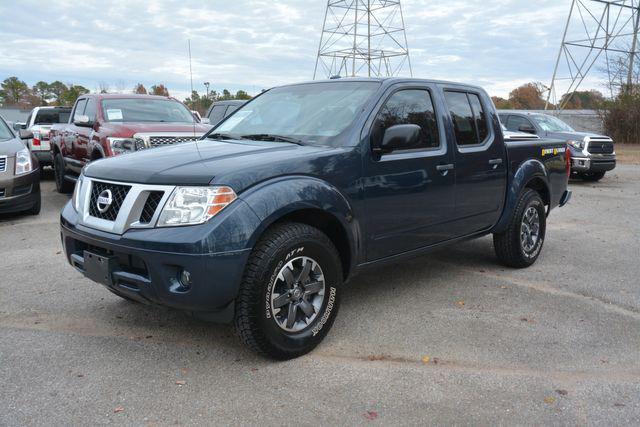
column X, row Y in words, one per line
column 469, row 117
column 51, row 116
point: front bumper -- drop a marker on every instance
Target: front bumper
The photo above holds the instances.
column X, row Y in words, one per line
column 141, row 266
column 19, row 193
column 593, row 164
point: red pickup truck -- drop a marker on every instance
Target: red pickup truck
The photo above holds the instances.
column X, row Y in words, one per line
column 105, row 125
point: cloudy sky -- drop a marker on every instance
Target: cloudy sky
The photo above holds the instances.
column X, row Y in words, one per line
column 255, row 44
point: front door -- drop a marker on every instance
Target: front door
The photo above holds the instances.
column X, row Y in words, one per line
column 409, row 193
column 480, row 160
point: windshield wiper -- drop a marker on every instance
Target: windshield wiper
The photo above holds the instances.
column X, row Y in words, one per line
column 272, row 137
column 219, row 136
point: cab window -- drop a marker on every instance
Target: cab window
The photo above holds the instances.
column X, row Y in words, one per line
column 411, row 106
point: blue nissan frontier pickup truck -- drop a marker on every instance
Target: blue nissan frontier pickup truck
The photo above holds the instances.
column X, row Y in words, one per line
column 263, row 221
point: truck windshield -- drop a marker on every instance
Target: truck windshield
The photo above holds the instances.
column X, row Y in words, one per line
column 551, row 124
column 5, row 132
column 51, row 116
column 313, row 113
column 145, row 110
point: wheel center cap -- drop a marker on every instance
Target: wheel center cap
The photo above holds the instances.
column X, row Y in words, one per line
column 297, row 293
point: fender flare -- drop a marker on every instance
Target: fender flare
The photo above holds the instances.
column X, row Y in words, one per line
column 277, row 198
column 527, row 172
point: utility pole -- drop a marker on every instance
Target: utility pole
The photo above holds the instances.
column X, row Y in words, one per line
column 597, row 32
column 363, row 37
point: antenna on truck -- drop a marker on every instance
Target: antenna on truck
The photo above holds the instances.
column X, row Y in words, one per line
column 191, row 78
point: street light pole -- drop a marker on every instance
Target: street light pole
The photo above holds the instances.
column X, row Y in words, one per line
column 206, row 84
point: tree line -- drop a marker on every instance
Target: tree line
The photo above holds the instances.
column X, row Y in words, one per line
column 530, row 96
column 16, row 93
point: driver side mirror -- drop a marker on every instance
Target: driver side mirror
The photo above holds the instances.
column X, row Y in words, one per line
column 25, row 134
column 82, row 121
column 527, row 129
column 398, row 137
column 17, row 126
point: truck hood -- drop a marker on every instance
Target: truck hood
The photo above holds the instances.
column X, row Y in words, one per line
column 127, row 130
column 199, row 163
column 578, row 136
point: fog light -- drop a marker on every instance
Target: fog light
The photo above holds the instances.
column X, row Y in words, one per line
column 185, row 279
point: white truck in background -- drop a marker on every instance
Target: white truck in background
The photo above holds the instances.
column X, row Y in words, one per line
column 39, row 122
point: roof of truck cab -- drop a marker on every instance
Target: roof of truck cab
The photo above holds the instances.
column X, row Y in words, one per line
column 387, row 81
column 124, row 96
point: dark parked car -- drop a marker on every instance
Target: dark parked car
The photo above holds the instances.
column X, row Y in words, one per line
column 222, row 109
column 592, row 155
column 105, row 125
column 264, row 220
column 19, row 173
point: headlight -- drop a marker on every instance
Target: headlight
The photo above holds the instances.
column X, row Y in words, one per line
column 75, row 199
column 576, row 144
column 194, row 205
column 23, row 162
column 123, row 145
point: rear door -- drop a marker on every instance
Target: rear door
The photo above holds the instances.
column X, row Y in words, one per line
column 408, row 193
column 480, row 161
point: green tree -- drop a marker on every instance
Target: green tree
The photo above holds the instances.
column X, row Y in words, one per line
column 14, row 91
column 57, row 89
column 43, row 91
column 241, row 94
column 72, row 93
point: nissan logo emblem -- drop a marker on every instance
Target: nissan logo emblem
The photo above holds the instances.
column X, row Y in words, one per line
column 104, row 201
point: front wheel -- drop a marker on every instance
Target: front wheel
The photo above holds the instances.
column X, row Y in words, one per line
column 289, row 295
column 520, row 245
column 62, row 185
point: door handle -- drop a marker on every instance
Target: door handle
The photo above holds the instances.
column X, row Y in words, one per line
column 495, row 163
column 444, row 169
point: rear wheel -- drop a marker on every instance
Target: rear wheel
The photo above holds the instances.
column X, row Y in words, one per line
column 62, row 185
column 289, row 296
column 520, row 245
column 592, row 176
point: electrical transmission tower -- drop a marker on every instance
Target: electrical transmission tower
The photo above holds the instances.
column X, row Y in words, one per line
column 598, row 33
column 363, row 38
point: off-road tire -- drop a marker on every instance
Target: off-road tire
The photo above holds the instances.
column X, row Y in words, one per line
column 509, row 246
column 255, row 321
column 592, row 176
column 62, row 185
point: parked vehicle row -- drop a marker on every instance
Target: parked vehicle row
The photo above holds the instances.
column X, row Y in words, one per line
column 106, row 125
column 19, row 174
column 592, row 155
column 39, row 123
column 261, row 222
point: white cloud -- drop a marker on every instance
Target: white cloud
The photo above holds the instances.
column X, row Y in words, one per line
column 255, row 44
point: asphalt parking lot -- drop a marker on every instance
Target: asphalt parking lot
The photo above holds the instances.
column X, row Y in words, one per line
column 451, row 337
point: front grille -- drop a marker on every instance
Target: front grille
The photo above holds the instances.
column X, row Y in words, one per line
column 161, row 141
column 118, row 194
column 3, row 163
column 153, row 200
column 597, row 147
